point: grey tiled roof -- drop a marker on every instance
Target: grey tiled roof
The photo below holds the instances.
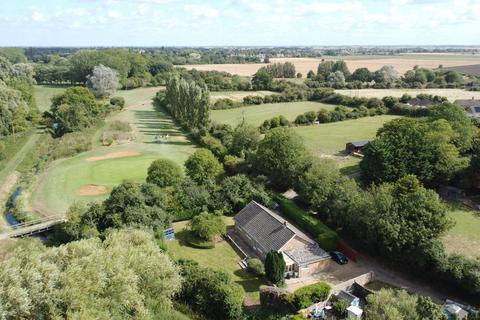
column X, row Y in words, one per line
column 467, row 102
column 266, row 227
column 346, row 296
column 420, row 102
column 307, row 254
column 360, row 143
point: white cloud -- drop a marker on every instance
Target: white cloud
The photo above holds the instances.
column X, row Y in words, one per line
column 254, row 5
column 38, row 16
column 114, row 14
column 319, row 7
column 201, row 11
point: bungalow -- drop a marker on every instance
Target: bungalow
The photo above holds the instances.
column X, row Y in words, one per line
column 472, row 106
column 263, row 230
column 468, row 102
column 355, row 146
column 419, row 103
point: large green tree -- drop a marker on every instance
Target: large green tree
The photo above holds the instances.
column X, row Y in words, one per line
column 275, row 267
column 245, row 139
column 202, row 166
column 262, row 80
column 399, row 219
column 411, row 146
column 188, row 103
column 164, row 173
column 235, row 192
column 325, row 189
column 207, row 225
column 125, row 275
column 212, row 293
column 390, row 304
column 282, row 157
column 129, row 204
column 73, row 110
column 458, row 120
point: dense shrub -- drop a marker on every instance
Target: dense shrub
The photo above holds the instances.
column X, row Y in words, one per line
column 340, row 308
column 225, row 103
column 212, row 293
column 256, row 266
column 253, row 100
column 326, row 237
column 275, row 122
column 275, row 267
column 118, row 102
column 164, row 173
column 309, row 295
column 274, row 298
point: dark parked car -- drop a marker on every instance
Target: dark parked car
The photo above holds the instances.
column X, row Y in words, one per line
column 339, row 257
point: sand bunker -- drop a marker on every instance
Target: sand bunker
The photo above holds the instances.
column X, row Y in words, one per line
column 91, row 190
column 113, row 155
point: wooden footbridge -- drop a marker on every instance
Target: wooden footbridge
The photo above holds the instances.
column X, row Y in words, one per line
column 33, row 227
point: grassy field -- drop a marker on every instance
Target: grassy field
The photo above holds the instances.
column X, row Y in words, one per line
column 257, row 114
column 464, row 237
column 44, row 94
column 222, row 257
column 401, row 62
column 91, row 175
column 330, row 138
column 236, row 95
column 451, row 94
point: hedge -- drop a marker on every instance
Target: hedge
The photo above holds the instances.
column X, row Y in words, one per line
column 326, row 237
column 309, row 295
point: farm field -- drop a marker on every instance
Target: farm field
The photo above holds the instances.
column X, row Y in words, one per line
column 451, row 94
column 257, row 114
column 401, row 62
column 222, row 257
column 236, row 95
column 329, row 139
column 43, row 94
column 473, row 70
column 90, row 176
column 464, row 237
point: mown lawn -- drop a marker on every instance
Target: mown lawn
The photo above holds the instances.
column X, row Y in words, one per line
column 464, row 237
column 58, row 187
column 257, row 114
column 330, row 138
column 222, row 257
column 44, row 94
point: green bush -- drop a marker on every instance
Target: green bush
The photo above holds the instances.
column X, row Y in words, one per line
column 326, row 237
column 340, row 308
column 307, row 296
column 183, row 215
column 256, row 267
column 118, row 102
column 327, row 240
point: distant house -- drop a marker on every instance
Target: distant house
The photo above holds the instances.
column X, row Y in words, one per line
column 472, row 106
column 419, row 103
column 264, row 230
column 454, row 311
column 355, row 146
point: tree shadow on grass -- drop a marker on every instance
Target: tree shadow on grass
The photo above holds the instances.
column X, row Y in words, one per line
column 182, row 237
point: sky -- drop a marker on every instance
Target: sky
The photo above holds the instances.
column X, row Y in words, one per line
column 238, row 22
